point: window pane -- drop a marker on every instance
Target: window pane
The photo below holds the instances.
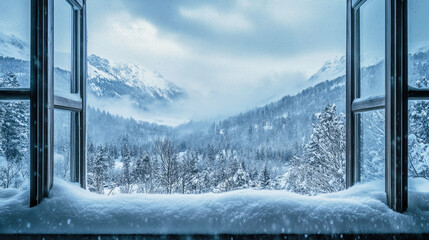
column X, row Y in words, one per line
column 372, row 147
column 15, row 43
column 372, row 48
column 62, row 144
column 14, row 144
column 418, row 42
column 62, row 47
column 418, row 139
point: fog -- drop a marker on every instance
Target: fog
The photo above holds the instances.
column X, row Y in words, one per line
column 228, row 56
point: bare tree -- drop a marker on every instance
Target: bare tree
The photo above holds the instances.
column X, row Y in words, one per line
column 165, row 152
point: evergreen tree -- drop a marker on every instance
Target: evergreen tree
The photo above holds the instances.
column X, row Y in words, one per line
column 321, row 169
column 126, row 178
column 14, row 135
column 264, row 178
column 241, row 177
column 100, row 168
column 91, row 153
column 418, row 138
column 143, row 174
column 189, row 173
column 113, row 150
column 223, row 174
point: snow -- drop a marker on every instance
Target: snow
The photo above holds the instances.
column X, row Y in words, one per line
column 368, row 98
column 268, row 126
column 360, row 209
column 11, row 46
column 94, row 72
column 132, row 75
column 65, row 94
column 332, row 69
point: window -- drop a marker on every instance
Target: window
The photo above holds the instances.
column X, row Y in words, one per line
column 69, row 91
column 365, row 92
column 15, row 95
column 217, row 141
column 418, row 89
column 42, row 68
column 405, row 93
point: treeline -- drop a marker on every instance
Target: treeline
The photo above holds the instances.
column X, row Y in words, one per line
column 162, row 169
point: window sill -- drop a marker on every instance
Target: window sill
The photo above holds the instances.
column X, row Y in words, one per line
column 72, row 210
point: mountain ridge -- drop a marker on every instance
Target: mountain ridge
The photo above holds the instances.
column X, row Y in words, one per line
column 145, row 87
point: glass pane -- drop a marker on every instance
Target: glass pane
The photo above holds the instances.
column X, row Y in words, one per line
column 372, row 147
column 372, row 48
column 418, row 140
column 62, row 47
column 418, row 43
column 14, row 144
column 62, row 144
column 15, row 43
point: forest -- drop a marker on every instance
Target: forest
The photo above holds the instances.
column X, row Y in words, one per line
column 277, row 146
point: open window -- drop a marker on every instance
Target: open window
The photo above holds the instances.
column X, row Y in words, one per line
column 69, row 90
column 50, row 62
column 395, row 32
column 15, row 97
column 366, row 92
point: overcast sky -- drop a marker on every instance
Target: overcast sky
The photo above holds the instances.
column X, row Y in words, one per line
column 229, row 56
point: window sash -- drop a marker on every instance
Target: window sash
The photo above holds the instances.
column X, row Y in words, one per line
column 43, row 101
column 15, row 94
column 355, row 104
column 77, row 104
column 395, row 102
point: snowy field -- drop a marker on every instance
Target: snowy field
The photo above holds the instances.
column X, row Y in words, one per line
column 360, row 209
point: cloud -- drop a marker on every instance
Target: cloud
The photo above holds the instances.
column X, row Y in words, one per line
column 228, row 55
column 15, row 18
column 140, row 35
column 216, row 19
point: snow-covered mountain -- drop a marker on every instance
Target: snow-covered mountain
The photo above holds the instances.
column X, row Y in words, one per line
column 144, row 87
column 13, row 47
column 332, row 69
column 141, row 87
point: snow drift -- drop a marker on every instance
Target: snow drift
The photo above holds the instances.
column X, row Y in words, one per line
column 360, row 209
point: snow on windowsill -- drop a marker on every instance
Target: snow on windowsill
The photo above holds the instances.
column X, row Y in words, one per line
column 70, row 209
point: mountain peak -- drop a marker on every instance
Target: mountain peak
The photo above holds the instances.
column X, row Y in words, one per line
column 332, row 69
column 108, row 79
column 94, row 59
column 11, row 46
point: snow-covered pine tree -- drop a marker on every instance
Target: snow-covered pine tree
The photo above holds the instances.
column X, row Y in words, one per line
column 143, row 174
column 14, row 135
column 101, row 167
column 264, row 179
column 204, row 181
column 321, row 168
column 113, row 150
column 90, row 166
column 127, row 179
column 241, row 177
column 254, row 177
column 189, row 172
column 418, row 138
column 222, row 176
